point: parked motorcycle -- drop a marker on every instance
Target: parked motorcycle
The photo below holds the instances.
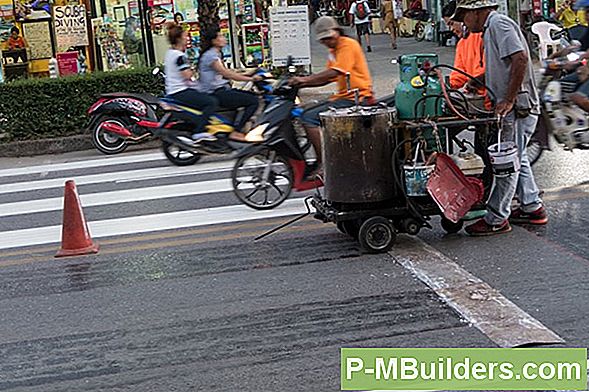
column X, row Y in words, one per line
column 560, row 118
column 266, row 173
column 118, row 120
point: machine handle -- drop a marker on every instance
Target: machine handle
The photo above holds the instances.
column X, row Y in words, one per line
column 348, row 83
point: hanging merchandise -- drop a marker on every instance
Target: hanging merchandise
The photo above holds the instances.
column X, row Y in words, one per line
column 6, row 19
column 110, row 45
column 254, row 44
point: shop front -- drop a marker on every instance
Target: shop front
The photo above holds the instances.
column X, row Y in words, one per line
column 67, row 37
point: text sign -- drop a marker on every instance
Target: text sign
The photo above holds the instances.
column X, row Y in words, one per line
column 290, row 35
column 70, row 26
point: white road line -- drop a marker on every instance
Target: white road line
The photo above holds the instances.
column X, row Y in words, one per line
column 478, row 303
column 121, row 176
column 124, row 196
column 82, row 164
column 116, row 197
column 153, row 222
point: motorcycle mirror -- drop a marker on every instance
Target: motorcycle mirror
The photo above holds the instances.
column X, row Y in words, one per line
column 156, row 71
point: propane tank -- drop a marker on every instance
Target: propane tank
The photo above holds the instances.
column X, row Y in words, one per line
column 53, row 71
column 412, row 88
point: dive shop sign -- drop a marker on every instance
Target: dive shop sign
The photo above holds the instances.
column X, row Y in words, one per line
column 70, row 26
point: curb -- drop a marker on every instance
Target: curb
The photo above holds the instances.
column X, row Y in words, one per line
column 59, row 146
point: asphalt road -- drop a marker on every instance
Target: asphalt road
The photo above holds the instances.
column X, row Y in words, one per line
column 207, row 308
column 201, row 306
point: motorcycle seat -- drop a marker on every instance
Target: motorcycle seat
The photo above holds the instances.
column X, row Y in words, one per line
column 147, row 98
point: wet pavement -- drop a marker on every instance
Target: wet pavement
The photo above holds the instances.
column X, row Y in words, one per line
column 207, row 308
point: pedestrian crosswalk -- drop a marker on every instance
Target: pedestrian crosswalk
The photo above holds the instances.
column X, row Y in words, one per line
column 120, row 197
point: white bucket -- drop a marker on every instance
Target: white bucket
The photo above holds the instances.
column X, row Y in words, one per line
column 416, row 177
column 504, row 158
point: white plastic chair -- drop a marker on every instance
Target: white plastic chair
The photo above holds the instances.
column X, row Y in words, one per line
column 543, row 30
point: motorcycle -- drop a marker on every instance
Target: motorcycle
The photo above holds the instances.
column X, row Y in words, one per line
column 266, row 173
column 560, row 118
column 118, row 120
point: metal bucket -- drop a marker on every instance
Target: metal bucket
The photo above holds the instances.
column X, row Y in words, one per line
column 356, row 147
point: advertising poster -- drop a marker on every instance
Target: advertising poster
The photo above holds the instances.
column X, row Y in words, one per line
column 67, row 63
column 38, row 36
column 6, row 19
column 70, row 26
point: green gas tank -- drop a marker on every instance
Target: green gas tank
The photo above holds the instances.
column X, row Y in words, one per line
column 413, row 97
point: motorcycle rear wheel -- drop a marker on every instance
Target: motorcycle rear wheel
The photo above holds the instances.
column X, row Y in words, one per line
column 178, row 156
column 106, row 142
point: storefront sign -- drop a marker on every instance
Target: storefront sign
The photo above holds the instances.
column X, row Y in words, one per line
column 289, row 31
column 67, row 63
column 38, row 36
column 70, row 26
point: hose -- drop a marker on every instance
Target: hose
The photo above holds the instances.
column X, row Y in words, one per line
column 447, row 96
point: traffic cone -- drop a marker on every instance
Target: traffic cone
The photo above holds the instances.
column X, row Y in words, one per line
column 75, row 236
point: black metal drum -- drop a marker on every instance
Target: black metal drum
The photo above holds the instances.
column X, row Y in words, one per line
column 356, row 149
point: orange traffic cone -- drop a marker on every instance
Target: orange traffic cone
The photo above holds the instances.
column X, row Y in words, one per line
column 75, row 236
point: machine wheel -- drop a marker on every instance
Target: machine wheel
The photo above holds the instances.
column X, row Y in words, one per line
column 411, row 226
column 377, row 235
column 106, row 142
column 351, row 228
column 451, row 227
column 534, row 151
column 179, row 156
column 419, row 32
column 262, row 180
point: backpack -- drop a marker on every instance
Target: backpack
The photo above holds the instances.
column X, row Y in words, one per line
column 361, row 11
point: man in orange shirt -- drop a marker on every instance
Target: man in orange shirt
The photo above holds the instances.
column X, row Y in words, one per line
column 469, row 51
column 345, row 57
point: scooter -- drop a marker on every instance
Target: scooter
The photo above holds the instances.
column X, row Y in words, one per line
column 118, row 120
column 266, row 173
column 562, row 119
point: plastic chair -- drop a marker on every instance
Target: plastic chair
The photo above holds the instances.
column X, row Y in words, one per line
column 544, row 30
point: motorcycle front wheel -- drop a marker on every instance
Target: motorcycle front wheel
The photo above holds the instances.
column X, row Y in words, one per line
column 419, row 32
column 262, row 180
column 179, row 156
column 106, row 142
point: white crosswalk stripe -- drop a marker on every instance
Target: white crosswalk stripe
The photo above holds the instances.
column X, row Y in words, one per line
column 123, row 188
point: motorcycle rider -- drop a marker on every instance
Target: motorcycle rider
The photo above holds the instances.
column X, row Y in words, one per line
column 510, row 75
column 181, row 88
column 580, row 78
column 345, row 57
column 214, row 79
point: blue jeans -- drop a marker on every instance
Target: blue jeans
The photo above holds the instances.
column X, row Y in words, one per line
column 521, row 183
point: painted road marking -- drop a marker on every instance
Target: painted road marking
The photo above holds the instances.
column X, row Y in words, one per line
column 126, row 176
column 478, row 303
column 125, row 196
column 82, row 164
column 152, row 222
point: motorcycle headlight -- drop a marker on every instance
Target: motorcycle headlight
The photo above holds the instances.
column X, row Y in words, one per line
column 256, row 135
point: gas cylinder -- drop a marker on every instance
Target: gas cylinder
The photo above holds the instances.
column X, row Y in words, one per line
column 414, row 96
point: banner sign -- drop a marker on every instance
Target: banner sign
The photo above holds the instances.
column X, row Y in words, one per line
column 70, row 26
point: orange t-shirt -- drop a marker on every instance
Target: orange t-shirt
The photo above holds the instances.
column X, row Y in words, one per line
column 349, row 57
column 469, row 58
column 18, row 43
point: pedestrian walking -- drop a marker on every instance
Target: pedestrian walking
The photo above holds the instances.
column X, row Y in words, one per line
column 360, row 11
column 509, row 74
column 391, row 11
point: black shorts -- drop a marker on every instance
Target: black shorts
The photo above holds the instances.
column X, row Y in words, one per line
column 363, row 28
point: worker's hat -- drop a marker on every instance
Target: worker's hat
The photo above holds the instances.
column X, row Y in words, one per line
column 326, row 27
column 468, row 5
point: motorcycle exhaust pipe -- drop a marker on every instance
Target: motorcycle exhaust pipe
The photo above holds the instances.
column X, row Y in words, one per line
column 116, row 129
